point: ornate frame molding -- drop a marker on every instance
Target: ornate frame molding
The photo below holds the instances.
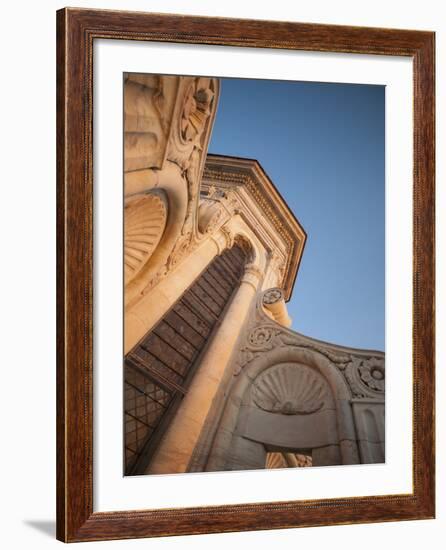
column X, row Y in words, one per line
column 76, row 31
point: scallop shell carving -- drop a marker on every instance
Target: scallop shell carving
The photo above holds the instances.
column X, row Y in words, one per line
column 144, row 223
column 290, row 389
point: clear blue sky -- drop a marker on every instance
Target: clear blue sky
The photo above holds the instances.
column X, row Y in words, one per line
column 323, row 147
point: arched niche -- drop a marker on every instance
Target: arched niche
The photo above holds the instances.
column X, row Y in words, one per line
column 246, row 432
column 172, row 186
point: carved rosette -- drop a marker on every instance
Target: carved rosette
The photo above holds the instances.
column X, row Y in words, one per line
column 188, row 139
column 272, row 296
column 290, row 389
column 187, row 149
column 366, row 377
column 196, row 109
column 261, row 337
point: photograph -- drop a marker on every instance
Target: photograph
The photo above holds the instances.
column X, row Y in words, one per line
column 253, row 274
column 227, row 263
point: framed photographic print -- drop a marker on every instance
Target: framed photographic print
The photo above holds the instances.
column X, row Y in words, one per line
column 245, row 275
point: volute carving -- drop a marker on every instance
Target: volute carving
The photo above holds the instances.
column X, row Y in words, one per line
column 211, row 215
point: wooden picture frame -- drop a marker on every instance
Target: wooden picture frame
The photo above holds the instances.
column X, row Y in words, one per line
column 77, row 29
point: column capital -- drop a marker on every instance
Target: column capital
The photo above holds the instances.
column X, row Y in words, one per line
column 223, row 238
column 252, row 275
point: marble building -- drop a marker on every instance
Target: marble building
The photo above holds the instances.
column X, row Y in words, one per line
column 214, row 377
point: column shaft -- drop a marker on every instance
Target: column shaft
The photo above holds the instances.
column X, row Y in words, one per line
column 179, row 442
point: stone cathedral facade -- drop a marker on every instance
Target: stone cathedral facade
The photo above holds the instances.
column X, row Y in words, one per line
column 214, row 377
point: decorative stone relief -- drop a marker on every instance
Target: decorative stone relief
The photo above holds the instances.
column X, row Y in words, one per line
column 266, row 336
column 251, row 185
column 371, row 373
column 272, row 296
column 366, row 377
column 216, row 207
column 211, row 215
column 196, row 109
column 258, row 340
column 262, row 337
column 290, row 339
column 145, row 221
column 155, row 280
column 187, row 148
column 289, row 389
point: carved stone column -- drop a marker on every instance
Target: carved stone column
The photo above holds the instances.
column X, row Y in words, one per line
column 182, row 436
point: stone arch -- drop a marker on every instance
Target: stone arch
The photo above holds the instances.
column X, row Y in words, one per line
column 243, row 235
column 231, row 431
column 249, row 248
column 302, row 355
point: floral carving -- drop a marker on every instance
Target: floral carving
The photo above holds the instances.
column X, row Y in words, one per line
column 187, row 147
column 366, row 377
column 272, row 296
column 184, row 245
column 372, row 374
column 260, row 337
column 215, row 220
column 196, row 108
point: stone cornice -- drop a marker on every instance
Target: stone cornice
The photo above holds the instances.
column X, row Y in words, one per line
column 247, row 176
